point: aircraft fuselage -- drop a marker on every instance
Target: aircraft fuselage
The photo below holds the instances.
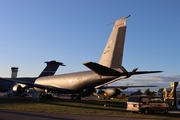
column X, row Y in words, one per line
column 76, row 82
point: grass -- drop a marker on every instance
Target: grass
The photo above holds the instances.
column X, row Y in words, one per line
column 85, row 107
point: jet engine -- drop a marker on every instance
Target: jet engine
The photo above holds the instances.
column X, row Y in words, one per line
column 109, row 92
column 18, row 89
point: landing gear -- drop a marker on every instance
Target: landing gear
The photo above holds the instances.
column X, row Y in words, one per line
column 75, row 97
column 166, row 110
column 146, row 111
column 45, row 96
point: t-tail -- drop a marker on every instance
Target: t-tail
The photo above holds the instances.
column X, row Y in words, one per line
column 113, row 52
column 51, row 68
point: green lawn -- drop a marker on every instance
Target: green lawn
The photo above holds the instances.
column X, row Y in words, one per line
column 85, row 107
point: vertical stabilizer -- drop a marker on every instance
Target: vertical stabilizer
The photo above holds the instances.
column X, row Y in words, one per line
column 51, row 68
column 113, row 52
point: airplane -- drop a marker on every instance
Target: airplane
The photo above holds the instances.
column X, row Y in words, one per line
column 116, row 91
column 83, row 83
column 50, row 69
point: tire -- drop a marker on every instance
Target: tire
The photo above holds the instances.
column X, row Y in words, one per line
column 146, row 110
column 10, row 95
column 166, row 110
column 78, row 97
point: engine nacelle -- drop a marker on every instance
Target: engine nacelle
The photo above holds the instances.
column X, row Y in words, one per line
column 39, row 90
column 109, row 92
column 87, row 92
column 18, row 89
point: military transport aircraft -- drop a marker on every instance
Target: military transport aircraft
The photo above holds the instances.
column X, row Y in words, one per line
column 82, row 84
column 116, row 91
column 50, row 69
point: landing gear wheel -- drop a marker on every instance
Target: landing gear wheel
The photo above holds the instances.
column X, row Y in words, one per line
column 146, row 111
column 166, row 110
column 72, row 97
column 78, row 97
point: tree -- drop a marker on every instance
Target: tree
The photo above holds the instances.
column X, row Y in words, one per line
column 138, row 90
column 147, row 92
column 160, row 90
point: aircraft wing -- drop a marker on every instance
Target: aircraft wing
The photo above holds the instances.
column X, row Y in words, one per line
column 106, row 71
column 145, row 72
column 125, row 87
column 31, row 84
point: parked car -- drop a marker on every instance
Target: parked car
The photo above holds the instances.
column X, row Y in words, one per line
column 146, row 104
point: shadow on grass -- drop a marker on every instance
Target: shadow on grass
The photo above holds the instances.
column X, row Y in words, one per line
column 112, row 105
column 89, row 104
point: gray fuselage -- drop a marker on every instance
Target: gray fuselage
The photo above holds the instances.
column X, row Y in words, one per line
column 74, row 82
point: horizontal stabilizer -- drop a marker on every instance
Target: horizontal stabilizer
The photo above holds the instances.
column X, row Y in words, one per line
column 51, row 68
column 101, row 70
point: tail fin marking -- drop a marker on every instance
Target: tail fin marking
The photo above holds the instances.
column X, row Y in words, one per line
column 113, row 52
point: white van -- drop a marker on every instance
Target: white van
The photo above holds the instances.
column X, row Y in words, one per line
column 146, row 104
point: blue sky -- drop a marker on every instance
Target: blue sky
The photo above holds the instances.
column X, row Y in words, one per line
column 73, row 32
